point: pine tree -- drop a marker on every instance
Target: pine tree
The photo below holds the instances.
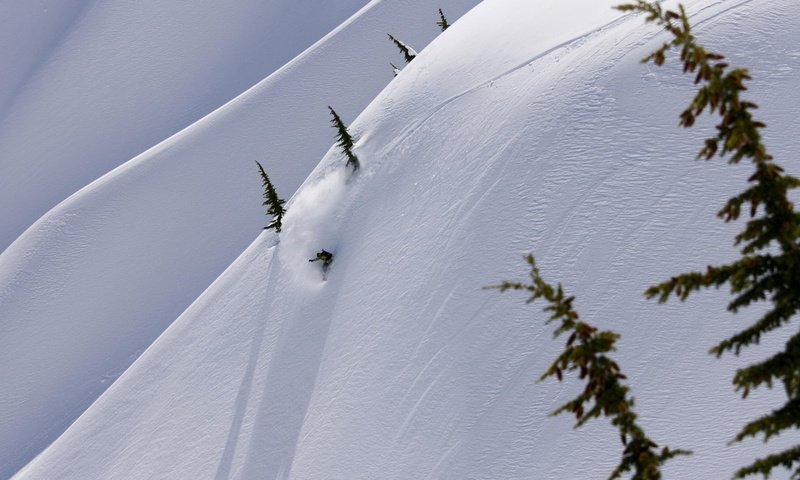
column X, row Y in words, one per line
column 408, row 52
column 769, row 268
column 344, row 140
column 443, row 21
column 395, row 70
column 586, row 352
column 272, row 201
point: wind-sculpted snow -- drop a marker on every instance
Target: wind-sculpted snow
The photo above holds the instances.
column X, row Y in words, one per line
column 94, row 281
column 527, row 126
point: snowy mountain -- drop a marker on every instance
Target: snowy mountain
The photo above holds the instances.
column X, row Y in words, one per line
column 91, row 284
column 526, row 126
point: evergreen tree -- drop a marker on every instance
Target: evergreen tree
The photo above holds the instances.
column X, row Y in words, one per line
column 605, row 395
column 272, row 201
column 408, row 52
column 443, row 21
column 769, row 268
column 395, row 70
column 344, row 140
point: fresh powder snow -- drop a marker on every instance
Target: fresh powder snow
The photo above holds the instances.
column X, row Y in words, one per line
column 526, row 126
column 89, row 285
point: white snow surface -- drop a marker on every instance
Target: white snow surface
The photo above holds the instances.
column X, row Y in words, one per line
column 88, row 84
column 94, row 281
column 526, row 126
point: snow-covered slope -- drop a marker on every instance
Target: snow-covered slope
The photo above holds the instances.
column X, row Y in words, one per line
column 89, row 286
column 526, row 126
column 87, row 85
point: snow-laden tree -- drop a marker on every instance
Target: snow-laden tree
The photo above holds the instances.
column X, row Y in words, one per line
column 408, row 52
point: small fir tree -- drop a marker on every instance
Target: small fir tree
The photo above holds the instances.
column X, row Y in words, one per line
column 442, row 21
column 272, row 201
column 344, row 140
column 408, row 52
column 395, row 70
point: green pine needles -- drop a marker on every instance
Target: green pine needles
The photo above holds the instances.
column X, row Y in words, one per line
column 604, row 393
column 344, row 140
column 272, row 201
column 408, row 52
column 442, row 23
column 768, row 271
column 769, row 268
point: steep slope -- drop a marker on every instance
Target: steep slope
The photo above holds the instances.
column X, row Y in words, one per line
column 527, row 126
column 28, row 30
column 88, row 287
column 87, row 85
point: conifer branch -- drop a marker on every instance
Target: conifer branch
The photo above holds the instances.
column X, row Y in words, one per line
column 408, row 52
column 272, row 201
column 769, row 269
column 604, row 393
column 442, row 23
column 344, row 140
column 786, row 459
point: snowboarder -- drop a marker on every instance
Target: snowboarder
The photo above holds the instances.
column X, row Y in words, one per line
column 326, row 258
